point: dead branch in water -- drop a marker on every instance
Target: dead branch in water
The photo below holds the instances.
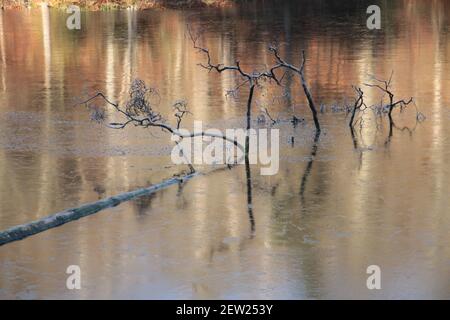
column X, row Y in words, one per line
column 25, row 230
column 140, row 112
column 359, row 103
column 379, row 110
column 301, row 72
column 385, row 87
column 253, row 79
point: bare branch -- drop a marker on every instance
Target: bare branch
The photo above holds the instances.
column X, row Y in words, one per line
column 139, row 112
column 359, row 102
column 300, row 71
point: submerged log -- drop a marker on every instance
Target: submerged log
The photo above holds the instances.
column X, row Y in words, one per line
column 25, row 230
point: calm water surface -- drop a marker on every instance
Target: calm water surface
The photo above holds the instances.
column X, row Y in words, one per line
column 317, row 225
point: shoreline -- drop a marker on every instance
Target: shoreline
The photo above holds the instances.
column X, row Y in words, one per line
column 105, row 5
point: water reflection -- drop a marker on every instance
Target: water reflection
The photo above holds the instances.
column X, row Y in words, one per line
column 309, row 165
column 46, row 44
column 2, row 52
column 385, row 206
column 249, row 196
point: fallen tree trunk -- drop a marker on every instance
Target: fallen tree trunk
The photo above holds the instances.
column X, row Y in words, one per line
column 28, row 229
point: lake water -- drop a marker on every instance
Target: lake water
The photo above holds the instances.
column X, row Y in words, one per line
column 314, row 227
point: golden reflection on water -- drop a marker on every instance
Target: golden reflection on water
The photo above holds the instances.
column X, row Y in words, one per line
column 369, row 205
